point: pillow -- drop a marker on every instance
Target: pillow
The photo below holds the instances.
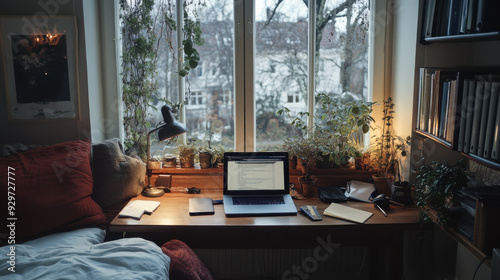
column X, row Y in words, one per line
column 117, row 177
column 50, row 190
column 83, row 237
column 184, row 263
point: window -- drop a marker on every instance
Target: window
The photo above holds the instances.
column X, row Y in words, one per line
column 260, row 55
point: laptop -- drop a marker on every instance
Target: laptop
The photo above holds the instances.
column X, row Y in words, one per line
column 257, row 184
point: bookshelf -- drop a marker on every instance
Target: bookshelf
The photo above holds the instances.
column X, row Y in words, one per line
column 460, row 21
column 459, row 108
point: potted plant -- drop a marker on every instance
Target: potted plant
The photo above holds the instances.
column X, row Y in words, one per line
column 205, row 156
column 362, row 154
column 168, row 160
column 435, row 184
column 305, row 147
column 155, row 162
column 218, row 155
column 340, row 121
column 387, row 149
column 186, row 154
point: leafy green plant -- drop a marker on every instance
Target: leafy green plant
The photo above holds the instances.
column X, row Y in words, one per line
column 142, row 31
column 344, row 121
column 138, row 71
column 387, row 146
column 435, row 185
column 304, row 144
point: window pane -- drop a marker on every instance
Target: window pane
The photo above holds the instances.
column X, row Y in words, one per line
column 280, row 67
column 342, row 50
column 211, row 83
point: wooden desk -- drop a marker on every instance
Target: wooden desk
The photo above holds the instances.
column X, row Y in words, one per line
column 172, row 220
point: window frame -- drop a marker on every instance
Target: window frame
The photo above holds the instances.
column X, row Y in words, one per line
column 379, row 58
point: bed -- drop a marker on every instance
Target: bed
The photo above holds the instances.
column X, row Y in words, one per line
column 56, row 224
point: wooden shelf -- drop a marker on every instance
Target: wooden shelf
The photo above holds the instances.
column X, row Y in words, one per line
column 460, row 238
column 433, row 137
column 489, row 36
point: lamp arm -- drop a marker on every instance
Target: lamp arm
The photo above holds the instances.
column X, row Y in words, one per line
column 149, row 171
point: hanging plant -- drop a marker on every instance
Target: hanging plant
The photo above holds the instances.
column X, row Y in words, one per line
column 144, row 24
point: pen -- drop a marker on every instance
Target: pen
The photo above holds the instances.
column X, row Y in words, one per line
column 381, row 210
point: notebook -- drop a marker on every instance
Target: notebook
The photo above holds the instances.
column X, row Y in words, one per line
column 257, row 184
column 347, row 213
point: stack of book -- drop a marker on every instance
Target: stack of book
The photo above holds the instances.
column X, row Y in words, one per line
column 437, row 105
column 460, row 108
column 476, row 216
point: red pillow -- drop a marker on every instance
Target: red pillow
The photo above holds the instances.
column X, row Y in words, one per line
column 52, row 190
column 184, row 263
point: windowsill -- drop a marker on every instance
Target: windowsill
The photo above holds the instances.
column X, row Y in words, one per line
column 219, row 171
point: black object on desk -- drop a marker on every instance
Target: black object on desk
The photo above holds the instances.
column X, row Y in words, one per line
column 201, row 206
column 331, row 194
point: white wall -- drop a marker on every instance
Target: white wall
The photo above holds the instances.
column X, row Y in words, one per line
column 403, row 68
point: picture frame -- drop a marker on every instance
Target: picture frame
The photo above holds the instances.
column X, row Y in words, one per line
column 41, row 65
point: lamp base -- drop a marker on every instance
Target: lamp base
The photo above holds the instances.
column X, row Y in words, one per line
column 153, row 192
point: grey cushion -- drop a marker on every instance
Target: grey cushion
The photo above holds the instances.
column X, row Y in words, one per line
column 117, row 177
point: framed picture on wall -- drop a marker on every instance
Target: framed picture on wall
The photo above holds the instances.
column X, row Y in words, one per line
column 40, row 61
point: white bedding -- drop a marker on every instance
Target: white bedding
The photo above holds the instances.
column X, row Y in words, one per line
column 128, row 258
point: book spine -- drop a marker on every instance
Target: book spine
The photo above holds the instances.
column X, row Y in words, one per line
column 443, row 112
column 420, row 108
column 463, row 117
column 484, row 118
column 471, row 16
column 463, row 16
column 476, row 119
column 492, row 112
column 427, row 95
column 454, row 17
column 429, row 18
column 452, row 105
column 495, row 147
column 469, row 114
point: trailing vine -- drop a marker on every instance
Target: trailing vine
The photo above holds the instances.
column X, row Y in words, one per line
column 138, row 70
column 144, row 24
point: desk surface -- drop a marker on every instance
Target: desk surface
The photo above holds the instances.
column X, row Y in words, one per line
column 173, row 213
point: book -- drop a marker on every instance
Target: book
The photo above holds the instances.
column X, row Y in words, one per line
column 495, row 146
column 347, row 213
column 434, row 114
column 450, row 126
column 136, row 208
column 454, row 17
column 201, row 206
column 463, row 16
column 426, row 101
column 429, row 18
column 471, row 17
column 476, row 118
column 469, row 114
column 443, row 111
column 484, row 118
column 490, row 126
column 463, row 116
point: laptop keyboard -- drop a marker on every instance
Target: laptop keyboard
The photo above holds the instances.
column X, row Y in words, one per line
column 258, row 200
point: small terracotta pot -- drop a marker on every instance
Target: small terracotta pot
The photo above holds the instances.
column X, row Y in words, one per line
column 187, row 161
column 205, row 160
column 383, row 184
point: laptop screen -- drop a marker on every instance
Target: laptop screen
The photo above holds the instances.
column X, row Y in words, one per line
column 256, row 173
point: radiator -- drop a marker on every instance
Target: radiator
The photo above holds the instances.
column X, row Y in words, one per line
column 292, row 264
